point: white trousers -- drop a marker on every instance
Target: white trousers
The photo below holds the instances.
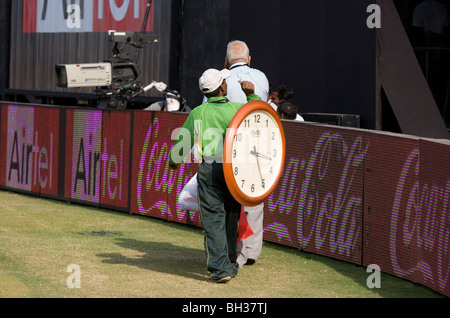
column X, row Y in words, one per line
column 251, row 246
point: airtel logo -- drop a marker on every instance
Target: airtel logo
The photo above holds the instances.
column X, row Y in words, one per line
column 43, row 16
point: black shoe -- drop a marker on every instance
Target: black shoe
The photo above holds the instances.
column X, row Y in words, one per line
column 250, row 261
column 219, row 280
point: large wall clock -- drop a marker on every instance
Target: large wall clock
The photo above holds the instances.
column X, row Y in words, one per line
column 254, row 152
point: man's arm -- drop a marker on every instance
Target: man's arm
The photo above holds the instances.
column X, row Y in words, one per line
column 249, row 89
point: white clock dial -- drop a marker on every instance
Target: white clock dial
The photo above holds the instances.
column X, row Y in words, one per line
column 257, row 153
column 254, row 152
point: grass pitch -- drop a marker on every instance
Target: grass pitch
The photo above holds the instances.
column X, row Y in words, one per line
column 117, row 255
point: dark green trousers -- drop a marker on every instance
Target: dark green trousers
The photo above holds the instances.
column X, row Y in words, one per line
column 220, row 214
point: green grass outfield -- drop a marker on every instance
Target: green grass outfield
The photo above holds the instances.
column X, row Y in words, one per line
column 130, row 256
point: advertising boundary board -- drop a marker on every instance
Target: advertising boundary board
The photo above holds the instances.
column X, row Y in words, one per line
column 364, row 197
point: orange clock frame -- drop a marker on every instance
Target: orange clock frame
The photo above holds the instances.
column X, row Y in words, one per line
column 238, row 118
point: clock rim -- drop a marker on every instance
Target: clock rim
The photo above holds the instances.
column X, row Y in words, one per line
column 238, row 118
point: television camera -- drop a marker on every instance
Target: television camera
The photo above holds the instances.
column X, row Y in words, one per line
column 117, row 80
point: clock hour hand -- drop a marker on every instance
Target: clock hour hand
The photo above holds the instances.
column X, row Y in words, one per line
column 257, row 154
column 263, row 156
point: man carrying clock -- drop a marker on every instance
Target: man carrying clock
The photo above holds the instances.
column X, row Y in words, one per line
column 206, row 125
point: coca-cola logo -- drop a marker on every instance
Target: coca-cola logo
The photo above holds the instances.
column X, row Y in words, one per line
column 420, row 220
column 155, row 177
column 333, row 215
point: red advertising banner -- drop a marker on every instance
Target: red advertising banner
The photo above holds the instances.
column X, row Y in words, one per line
column 431, row 221
column 392, row 171
column 121, row 15
column 30, row 149
column 332, row 193
column 320, row 194
column 115, row 159
column 50, row 16
column 282, row 223
column 406, row 218
column 83, row 155
column 154, row 185
column 97, row 157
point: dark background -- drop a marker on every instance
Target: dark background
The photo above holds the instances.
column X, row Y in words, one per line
column 322, row 49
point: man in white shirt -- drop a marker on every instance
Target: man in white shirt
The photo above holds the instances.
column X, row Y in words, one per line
column 238, row 61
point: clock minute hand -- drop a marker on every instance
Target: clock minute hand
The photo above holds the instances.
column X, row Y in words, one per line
column 255, row 153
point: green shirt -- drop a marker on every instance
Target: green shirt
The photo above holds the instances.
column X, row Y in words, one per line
column 206, row 126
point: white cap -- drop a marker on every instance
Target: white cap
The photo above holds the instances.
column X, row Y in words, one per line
column 212, row 79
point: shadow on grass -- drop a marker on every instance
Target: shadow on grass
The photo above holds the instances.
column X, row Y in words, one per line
column 161, row 257
column 390, row 286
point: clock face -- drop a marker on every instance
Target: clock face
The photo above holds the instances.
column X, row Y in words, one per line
column 255, row 153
